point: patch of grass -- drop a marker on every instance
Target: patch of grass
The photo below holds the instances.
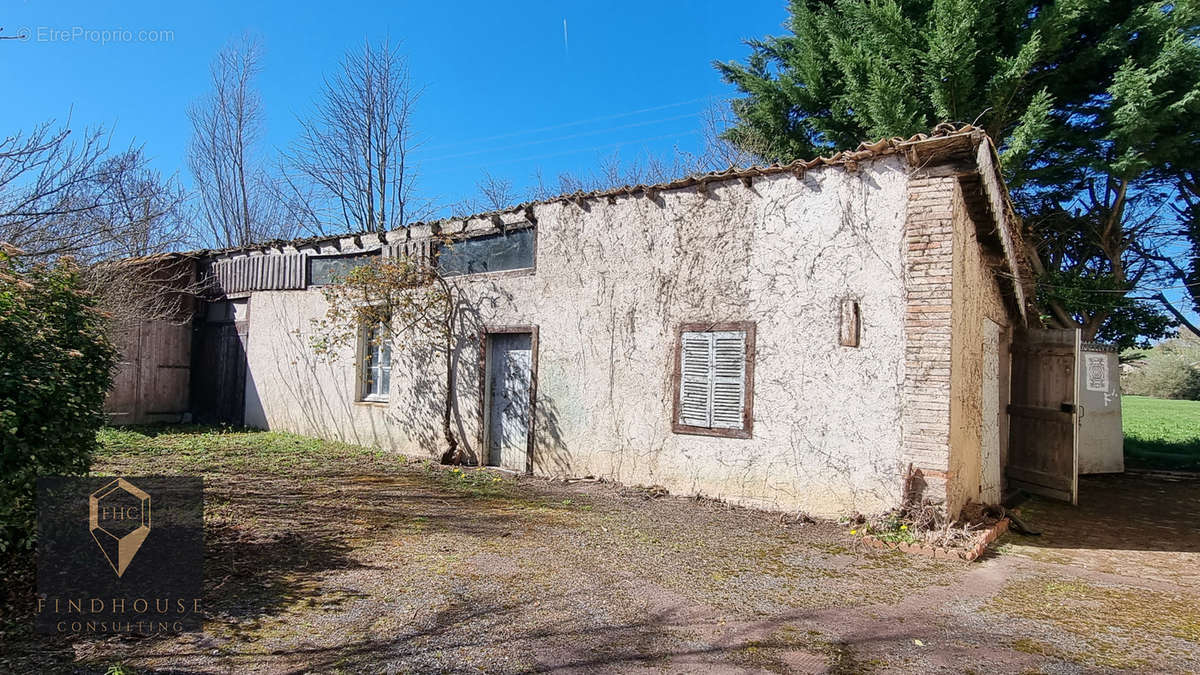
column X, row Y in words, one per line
column 1161, row 433
column 200, row 449
column 477, row 481
column 1030, row 646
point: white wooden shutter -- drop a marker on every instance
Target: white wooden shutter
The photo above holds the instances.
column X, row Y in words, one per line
column 712, row 388
column 695, row 387
column 729, row 379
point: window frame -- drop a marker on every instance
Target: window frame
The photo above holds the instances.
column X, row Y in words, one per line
column 465, row 236
column 747, row 428
column 364, row 371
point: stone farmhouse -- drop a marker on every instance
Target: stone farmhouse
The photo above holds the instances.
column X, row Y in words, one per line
column 827, row 336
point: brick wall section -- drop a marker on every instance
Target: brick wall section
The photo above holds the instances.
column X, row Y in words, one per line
column 927, row 279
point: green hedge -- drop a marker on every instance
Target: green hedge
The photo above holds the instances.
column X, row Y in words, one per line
column 56, row 365
column 1171, row 369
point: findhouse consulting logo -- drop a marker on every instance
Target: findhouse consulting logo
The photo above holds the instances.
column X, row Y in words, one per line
column 120, row 556
column 118, row 527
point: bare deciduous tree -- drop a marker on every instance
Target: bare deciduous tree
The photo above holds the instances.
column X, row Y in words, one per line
column 139, row 290
column 236, row 195
column 356, row 148
column 144, row 216
column 138, row 212
column 47, row 178
column 495, row 193
column 64, row 197
column 612, row 172
column 60, row 196
column 718, row 152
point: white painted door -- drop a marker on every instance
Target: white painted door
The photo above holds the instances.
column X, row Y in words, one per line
column 510, row 364
column 1101, row 442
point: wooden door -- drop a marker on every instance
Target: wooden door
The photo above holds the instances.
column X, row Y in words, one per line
column 151, row 381
column 219, row 380
column 122, row 401
column 510, row 366
column 1043, row 453
column 166, row 352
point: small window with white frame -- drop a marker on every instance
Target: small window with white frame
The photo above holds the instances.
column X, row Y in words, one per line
column 375, row 366
column 714, row 379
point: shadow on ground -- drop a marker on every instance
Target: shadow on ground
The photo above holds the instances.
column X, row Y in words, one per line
column 1124, row 512
column 323, row 557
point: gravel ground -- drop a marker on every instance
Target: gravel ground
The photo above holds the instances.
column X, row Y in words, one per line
column 325, row 557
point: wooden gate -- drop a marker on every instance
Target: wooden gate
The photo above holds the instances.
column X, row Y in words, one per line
column 1043, row 450
column 219, row 358
column 151, row 380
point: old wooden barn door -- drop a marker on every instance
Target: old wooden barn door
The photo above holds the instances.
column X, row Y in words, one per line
column 151, row 381
column 219, row 365
column 1043, row 450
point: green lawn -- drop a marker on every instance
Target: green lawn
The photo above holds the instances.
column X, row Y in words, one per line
column 1161, row 433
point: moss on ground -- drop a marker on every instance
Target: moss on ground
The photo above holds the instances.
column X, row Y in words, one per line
column 1102, row 617
column 339, row 546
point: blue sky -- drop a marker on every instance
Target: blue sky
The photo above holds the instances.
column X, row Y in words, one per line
column 629, row 77
column 504, row 90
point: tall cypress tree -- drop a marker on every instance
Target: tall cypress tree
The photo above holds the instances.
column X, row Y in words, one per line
column 1093, row 104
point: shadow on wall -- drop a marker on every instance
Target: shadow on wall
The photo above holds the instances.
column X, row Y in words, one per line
column 550, row 455
column 307, row 393
column 825, row 419
column 313, row 395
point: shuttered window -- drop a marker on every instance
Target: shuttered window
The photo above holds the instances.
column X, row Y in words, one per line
column 715, row 380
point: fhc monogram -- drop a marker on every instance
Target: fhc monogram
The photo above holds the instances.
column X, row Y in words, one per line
column 119, row 515
column 120, row 555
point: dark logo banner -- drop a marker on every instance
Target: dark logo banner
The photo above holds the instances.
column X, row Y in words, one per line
column 120, row 555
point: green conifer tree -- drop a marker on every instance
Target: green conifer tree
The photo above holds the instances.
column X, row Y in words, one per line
column 1094, row 105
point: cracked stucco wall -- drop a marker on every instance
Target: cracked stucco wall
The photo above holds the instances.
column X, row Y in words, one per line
column 614, row 278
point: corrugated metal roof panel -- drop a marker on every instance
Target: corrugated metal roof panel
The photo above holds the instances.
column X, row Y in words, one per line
column 259, row 273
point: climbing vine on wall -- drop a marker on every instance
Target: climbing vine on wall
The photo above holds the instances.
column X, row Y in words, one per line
column 410, row 302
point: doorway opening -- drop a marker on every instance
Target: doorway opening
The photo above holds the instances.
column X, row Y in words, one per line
column 509, row 394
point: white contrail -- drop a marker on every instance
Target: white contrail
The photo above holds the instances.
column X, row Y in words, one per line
column 566, row 46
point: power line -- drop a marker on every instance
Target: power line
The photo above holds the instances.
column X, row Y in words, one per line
column 561, row 138
column 571, row 152
column 568, row 124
